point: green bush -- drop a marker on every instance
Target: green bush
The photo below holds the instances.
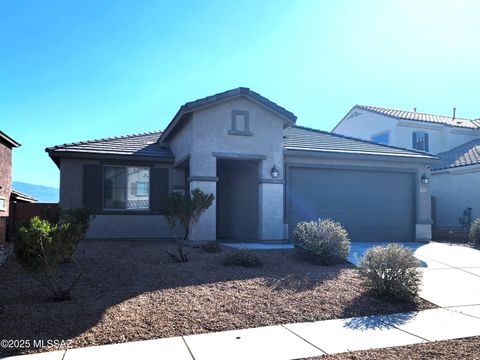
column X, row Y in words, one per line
column 80, row 218
column 186, row 209
column 243, row 258
column 324, row 241
column 211, row 247
column 392, row 271
column 40, row 247
column 475, row 232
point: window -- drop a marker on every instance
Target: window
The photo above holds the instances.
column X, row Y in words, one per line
column 126, row 187
column 240, row 123
column 420, row 141
column 3, row 204
column 382, row 138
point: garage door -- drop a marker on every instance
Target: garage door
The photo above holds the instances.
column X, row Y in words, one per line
column 371, row 205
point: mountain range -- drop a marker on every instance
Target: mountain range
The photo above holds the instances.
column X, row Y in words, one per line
column 45, row 194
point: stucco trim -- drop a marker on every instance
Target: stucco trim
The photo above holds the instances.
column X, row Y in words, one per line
column 271, row 181
column 457, row 170
column 203, row 178
column 238, row 156
column 241, row 133
column 98, row 156
column 359, row 155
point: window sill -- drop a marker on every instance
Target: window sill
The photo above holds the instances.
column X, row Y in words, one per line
column 238, row 132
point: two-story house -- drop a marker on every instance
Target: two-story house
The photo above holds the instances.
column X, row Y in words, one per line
column 455, row 178
column 6, row 146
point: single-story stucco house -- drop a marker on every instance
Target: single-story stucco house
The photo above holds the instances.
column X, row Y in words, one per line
column 266, row 173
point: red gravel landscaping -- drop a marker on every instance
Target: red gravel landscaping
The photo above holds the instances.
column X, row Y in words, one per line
column 132, row 290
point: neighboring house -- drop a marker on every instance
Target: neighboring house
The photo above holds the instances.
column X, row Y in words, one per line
column 455, row 181
column 6, row 146
column 266, row 173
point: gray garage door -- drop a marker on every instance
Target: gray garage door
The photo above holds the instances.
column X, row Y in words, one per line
column 371, row 205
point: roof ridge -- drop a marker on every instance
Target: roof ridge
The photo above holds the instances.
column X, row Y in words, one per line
column 372, row 107
column 462, row 145
column 83, row 142
column 363, row 140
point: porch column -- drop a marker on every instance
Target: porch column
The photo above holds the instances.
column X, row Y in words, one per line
column 271, row 210
column 206, row 228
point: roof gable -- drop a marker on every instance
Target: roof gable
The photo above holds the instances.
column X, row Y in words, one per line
column 198, row 104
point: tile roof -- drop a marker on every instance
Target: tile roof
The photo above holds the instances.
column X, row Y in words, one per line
column 463, row 155
column 307, row 139
column 19, row 196
column 418, row 116
column 209, row 100
column 192, row 105
column 144, row 145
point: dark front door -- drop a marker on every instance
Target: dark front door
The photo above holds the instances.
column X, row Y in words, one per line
column 237, row 200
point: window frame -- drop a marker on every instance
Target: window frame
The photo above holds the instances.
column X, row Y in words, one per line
column 387, row 132
column 426, row 144
column 234, row 126
column 4, row 208
column 125, row 209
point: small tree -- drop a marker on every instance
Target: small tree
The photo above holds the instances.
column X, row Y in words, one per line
column 186, row 209
column 40, row 247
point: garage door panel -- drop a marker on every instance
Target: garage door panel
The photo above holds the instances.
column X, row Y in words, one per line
column 371, row 205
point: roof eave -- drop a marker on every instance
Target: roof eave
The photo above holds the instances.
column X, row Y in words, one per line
column 9, row 140
column 289, row 151
column 57, row 155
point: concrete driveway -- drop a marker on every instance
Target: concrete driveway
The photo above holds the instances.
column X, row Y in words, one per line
column 451, row 273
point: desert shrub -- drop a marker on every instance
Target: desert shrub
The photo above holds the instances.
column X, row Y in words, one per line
column 243, row 258
column 325, row 241
column 211, row 247
column 392, row 271
column 475, row 232
column 186, row 209
column 80, row 218
column 40, row 247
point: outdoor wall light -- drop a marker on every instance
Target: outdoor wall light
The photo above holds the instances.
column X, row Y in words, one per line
column 274, row 172
column 425, row 179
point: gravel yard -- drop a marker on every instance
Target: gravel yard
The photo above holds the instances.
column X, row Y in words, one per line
column 445, row 350
column 132, row 290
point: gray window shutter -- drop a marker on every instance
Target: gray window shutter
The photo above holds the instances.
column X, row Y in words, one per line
column 414, row 140
column 93, row 186
column 426, row 142
column 158, row 188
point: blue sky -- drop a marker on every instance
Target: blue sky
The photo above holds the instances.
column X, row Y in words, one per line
column 78, row 70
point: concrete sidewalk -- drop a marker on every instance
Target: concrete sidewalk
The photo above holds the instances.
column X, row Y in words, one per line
column 293, row 341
